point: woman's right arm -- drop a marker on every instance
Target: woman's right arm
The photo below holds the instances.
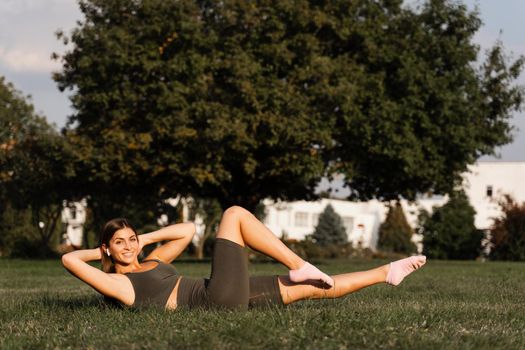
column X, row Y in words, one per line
column 76, row 263
column 178, row 237
column 84, row 255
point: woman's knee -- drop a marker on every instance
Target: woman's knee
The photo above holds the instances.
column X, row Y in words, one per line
column 235, row 211
column 230, row 226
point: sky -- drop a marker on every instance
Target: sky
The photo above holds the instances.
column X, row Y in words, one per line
column 27, row 41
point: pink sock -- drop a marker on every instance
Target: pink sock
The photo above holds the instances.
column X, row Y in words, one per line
column 401, row 268
column 310, row 272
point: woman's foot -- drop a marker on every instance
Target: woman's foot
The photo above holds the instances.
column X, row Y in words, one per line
column 401, row 268
column 310, row 272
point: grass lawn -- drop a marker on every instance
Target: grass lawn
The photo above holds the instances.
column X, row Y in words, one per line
column 446, row 305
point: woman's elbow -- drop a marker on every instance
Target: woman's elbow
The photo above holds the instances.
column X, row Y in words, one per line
column 66, row 259
column 189, row 230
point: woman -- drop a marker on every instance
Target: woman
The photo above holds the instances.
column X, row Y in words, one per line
column 154, row 281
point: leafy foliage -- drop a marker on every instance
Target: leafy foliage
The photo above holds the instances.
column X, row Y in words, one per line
column 204, row 114
column 424, row 110
column 508, row 232
column 309, row 249
column 36, row 163
column 242, row 101
column 15, row 229
column 395, row 234
column 450, row 233
column 330, row 229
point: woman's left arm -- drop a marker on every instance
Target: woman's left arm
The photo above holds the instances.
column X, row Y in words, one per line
column 178, row 235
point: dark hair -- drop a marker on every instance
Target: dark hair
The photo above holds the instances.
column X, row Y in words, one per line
column 108, row 231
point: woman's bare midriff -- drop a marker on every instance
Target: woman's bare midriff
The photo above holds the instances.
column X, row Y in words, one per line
column 172, row 300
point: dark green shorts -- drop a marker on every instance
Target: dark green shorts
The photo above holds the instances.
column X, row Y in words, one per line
column 229, row 285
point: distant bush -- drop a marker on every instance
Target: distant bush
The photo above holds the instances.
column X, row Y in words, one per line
column 508, row 232
column 330, row 229
column 24, row 247
column 449, row 233
column 14, row 224
column 308, row 249
column 395, row 234
column 18, row 237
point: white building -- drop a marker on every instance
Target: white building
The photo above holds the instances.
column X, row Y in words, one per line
column 295, row 220
column 488, row 182
column 485, row 184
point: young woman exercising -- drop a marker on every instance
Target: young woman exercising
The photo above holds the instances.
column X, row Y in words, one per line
column 154, row 281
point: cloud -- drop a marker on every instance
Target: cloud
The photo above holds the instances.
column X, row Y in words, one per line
column 19, row 59
column 14, row 7
column 27, row 30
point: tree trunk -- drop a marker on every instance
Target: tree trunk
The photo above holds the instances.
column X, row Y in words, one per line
column 199, row 250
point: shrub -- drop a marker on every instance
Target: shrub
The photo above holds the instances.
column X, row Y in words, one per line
column 14, row 224
column 508, row 232
column 449, row 233
column 330, row 229
column 18, row 237
column 25, row 247
column 308, row 249
column 395, row 234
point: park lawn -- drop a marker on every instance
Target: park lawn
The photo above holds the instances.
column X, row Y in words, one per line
column 446, row 305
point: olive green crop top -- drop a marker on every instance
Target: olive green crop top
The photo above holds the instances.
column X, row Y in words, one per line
column 153, row 287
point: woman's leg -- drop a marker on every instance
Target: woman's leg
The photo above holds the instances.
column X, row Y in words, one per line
column 344, row 284
column 229, row 285
column 242, row 227
column 348, row 283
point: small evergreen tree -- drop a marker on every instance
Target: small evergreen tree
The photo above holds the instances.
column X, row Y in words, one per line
column 330, row 228
column 449, row 233
column 508, row 232
column 395, row 234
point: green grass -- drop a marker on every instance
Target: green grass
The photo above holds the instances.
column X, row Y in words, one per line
column 446, row 305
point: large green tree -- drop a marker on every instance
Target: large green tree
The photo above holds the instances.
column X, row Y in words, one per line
column 424, row 110
column 36, row 164
column 242, row 100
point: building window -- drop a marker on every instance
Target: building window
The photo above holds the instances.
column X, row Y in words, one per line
column 489, row 191
column 348, row 223
column 301, row 219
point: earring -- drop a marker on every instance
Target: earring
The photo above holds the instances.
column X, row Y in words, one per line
column 107, row 251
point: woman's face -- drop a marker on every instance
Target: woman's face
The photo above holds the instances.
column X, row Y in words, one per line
column 124, row 246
